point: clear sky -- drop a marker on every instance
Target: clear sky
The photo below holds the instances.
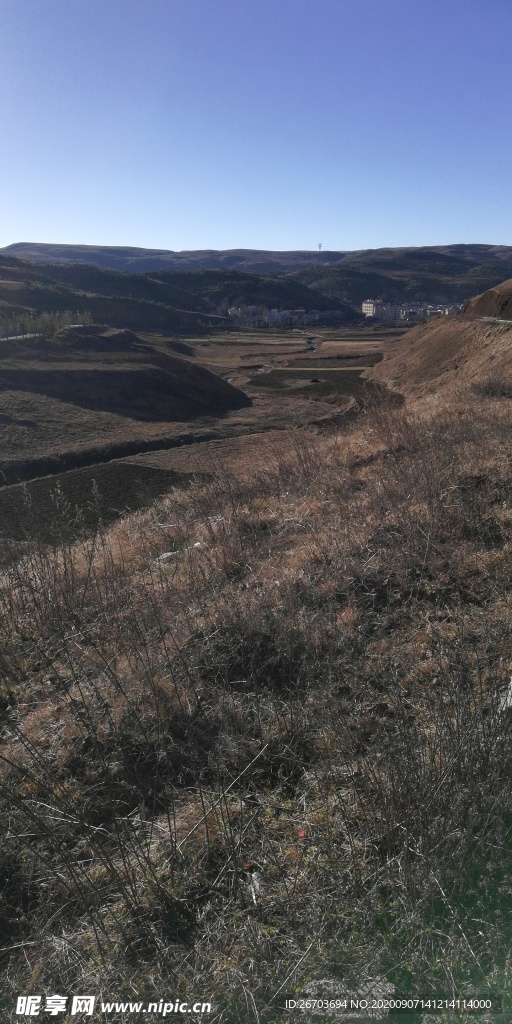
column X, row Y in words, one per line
column 272, row 124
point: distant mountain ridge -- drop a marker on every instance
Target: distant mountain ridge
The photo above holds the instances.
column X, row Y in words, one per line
column 444, row 273
column 140, row 260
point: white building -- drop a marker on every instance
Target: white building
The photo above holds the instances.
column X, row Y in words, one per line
column 368, row 307
column 380, row 310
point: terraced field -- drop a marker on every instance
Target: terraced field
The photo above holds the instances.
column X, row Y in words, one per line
column 251, row 451
column 282, row 373
column 102, row 462
column 340, row 383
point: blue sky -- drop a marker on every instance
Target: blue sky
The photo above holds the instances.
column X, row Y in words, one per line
column 272, row 124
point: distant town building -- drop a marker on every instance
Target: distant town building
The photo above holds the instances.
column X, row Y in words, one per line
column 380, row 310
column 387, row 311
column 410, row 311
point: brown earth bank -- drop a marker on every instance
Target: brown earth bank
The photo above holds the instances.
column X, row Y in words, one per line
column 73, row 497
column 443, row 355
column 495, row 302
column 20, row 470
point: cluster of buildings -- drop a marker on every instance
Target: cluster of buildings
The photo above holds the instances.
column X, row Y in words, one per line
column 407, row 311
column 254, row 316
column 258, row 316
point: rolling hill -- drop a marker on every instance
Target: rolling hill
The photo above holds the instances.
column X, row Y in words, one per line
column 447, row 273
column 94, row 393
column 164, row 301
column 120, row 299
column 234, row 288
column 435, row 274
column 147, row 260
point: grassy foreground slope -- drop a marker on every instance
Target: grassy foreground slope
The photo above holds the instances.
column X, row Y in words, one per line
column 253, row 739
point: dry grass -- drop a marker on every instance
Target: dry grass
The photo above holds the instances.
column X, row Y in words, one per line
column 440, row 357
column 297, row 668
column 495, row 386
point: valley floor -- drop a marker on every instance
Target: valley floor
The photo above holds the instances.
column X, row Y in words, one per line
column 52, row 443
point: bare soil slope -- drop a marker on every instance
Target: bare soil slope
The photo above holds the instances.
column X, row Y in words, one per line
column 92, row 389
column 56, row 508
column 103, row 368
column 496, row 302
column 445, row 354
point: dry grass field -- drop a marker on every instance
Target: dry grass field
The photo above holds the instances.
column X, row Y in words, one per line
column 255, row 734
column 254, row 738
column 75, row 395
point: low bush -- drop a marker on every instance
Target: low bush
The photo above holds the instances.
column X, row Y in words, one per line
column 495, row 387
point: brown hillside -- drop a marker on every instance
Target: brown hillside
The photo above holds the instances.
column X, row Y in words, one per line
column 105, row 369
column 95, row 393
column 444, row 354
column 496, row 302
